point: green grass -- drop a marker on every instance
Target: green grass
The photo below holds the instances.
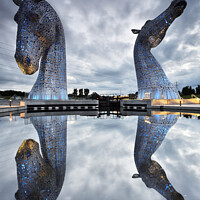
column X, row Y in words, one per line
column 186, row 96
column 5, row 97
column 189, row 96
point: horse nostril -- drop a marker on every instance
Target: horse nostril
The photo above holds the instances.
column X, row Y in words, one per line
column 22, row 59
column 27, row 61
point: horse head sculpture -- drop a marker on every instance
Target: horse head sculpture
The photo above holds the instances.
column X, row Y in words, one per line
column 153, row 31
column 150, row 75
column 151, row 132
column 42, row 176
column 40, row 37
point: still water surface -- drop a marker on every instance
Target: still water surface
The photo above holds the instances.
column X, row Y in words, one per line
column 92, row 158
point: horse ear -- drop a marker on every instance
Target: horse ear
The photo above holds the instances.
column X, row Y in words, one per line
column 136, row 176
column 135, row 31
column 17, row 2
column 37, row 1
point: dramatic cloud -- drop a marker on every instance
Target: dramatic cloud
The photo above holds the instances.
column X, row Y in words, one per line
column 100, row 44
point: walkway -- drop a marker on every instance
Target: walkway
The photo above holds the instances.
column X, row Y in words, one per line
column 15, row 106
column 185, row 107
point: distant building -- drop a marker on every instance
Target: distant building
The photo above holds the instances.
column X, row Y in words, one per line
column 15, row 97
column 132, row 96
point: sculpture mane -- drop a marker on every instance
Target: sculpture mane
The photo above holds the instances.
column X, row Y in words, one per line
column 151, row 78
column 41, row 41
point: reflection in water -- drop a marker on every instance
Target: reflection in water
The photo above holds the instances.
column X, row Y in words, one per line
column 151, row 131
column 41, row 177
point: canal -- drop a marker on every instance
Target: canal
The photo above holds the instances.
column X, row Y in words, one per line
column 100, row 157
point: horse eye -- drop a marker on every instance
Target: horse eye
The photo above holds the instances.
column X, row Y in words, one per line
column 33, row 17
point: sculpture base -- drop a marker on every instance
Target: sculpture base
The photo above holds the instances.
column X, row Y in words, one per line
column 56, row 106
column 158, row 93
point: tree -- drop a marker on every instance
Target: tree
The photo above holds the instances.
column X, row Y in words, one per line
column 13, row 92
column 75, row 93
column 185, row 90
column 188, row 90
column 86, row 92
column 94, row 95
column 192, row 90
column 198, row 89
column 80, row 92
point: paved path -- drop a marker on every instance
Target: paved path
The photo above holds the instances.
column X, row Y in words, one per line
column 5, row 102
column 186, row 107
column 5, row 106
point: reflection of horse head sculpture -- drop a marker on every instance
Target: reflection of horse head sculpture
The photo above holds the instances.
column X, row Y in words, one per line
column 150, row 76
column 150, row 134
column 41, row 177
column 40, row 36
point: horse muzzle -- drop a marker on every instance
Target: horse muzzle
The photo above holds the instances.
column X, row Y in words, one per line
column 25, row 64
column 181, row 4
column 179, row 7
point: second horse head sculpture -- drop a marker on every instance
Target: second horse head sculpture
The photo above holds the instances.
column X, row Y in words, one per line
column 151, row 78
column 151, row 132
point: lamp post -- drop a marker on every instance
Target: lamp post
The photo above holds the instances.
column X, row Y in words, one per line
column 10, row 101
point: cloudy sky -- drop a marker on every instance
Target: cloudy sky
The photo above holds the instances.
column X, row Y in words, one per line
column 100, row 44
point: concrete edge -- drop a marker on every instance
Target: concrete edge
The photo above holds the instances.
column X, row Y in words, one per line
column 11, row 109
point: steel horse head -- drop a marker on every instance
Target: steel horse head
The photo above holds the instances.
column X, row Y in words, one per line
column 41, row 42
